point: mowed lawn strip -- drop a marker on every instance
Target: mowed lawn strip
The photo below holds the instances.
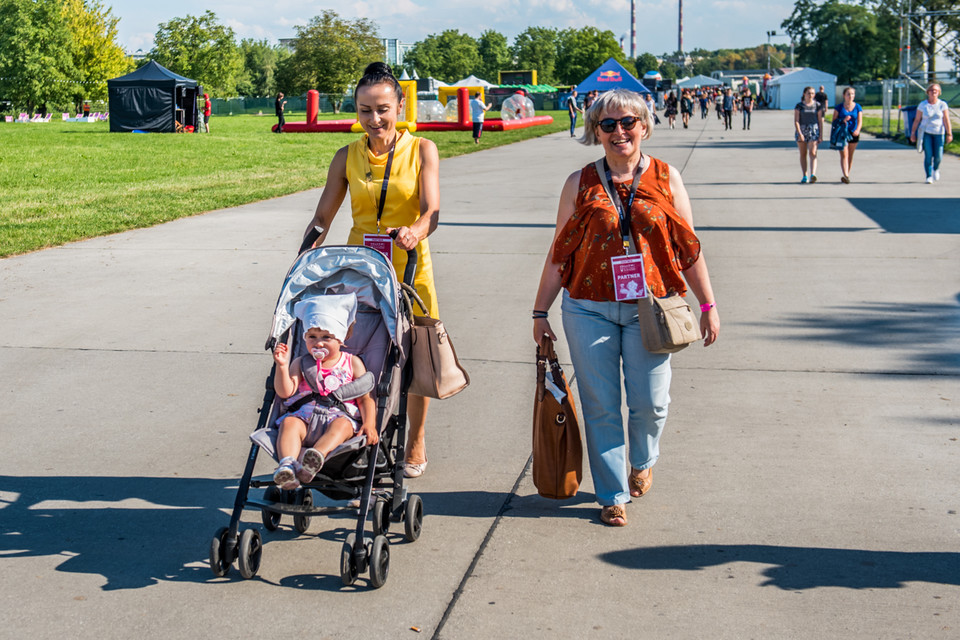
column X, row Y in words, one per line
column 64, row 181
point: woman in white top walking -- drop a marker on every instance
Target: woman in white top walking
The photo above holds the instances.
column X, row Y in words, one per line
column 933, row 122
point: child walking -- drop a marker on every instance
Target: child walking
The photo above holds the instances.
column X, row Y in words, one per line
column 326, row 321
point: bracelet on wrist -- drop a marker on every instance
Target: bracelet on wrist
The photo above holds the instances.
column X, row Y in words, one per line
column 537, row 314
column 706, row 307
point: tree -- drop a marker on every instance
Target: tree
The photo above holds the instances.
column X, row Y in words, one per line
column 449, row 56
column 843, row 39
column 36, row 68
column 202, row 49
column 927, row 29
column 330, row 55
column 646, row 62
column 260, row 61
column 580, row 51
column 94, row 50
column 536, row 48
column 669, row 71
column 494, row 51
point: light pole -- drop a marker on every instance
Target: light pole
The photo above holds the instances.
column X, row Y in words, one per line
column 770, row 34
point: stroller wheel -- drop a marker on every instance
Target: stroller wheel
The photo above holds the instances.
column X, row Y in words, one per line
column 219, row 560
column 271, row 521
column 381, row 517
column 251, row 548
column 379, row 561
column 413, row 518
column 348, row 564
column 305, row 498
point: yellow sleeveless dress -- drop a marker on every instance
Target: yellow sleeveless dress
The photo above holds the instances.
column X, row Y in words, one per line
column 402, row 207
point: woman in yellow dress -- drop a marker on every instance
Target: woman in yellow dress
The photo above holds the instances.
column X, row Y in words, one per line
column 411, row 206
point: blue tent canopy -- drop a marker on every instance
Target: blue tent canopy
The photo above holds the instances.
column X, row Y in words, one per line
column 611, row 75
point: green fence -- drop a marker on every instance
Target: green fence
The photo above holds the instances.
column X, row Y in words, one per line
column 869, row 94
column 266, row 106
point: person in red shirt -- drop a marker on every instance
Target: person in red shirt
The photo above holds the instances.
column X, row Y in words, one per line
column 206, row 113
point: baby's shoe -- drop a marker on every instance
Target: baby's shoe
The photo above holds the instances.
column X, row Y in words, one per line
column 312, row 463
column 285, row 476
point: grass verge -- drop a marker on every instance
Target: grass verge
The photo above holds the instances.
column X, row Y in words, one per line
column 67, row 181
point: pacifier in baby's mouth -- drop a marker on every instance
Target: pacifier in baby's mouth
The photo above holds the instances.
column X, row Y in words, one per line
column 320, row 353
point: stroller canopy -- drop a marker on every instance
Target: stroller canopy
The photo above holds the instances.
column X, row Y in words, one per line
column 341, row 269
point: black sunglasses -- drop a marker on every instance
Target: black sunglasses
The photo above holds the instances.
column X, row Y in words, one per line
column 609, row 125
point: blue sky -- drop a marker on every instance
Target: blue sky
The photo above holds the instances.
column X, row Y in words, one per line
column 709, row 24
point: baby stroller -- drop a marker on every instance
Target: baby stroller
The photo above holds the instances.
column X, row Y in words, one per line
column 372, row 474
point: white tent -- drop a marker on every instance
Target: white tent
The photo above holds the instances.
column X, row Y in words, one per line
column 699, row 81
column 784, row 92
column 473, row 81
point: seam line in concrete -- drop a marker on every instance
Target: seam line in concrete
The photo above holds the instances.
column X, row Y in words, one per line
column 480, row 550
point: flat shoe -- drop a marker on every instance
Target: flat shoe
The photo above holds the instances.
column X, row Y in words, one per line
column 411, row 470
column 640, row 482
column 285, row 477
column 614, row 515
column 312, row 463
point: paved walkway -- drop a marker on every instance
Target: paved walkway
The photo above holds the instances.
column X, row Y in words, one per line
column 808, row 482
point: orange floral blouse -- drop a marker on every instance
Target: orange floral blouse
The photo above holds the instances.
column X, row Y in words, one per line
column 592, row 236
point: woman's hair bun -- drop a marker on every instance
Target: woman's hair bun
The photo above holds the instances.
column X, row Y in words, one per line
column 378, row 68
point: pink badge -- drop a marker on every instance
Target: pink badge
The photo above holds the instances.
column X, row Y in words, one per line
column 380, row 242
column 628, row 280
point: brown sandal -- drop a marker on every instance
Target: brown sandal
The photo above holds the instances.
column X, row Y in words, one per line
column 611, row 514
column 640, row 482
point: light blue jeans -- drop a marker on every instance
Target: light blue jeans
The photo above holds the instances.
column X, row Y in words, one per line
column 932, row 152
column 601, row 336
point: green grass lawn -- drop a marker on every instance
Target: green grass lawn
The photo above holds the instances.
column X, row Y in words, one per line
column 66, row 181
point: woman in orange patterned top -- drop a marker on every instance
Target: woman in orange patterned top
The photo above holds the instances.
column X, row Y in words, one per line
column 602, row 332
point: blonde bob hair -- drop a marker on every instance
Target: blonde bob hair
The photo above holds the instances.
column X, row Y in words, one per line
column 615, row 100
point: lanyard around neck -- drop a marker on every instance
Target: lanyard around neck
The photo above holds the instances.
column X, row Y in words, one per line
column 623, row 210
column 383, row 189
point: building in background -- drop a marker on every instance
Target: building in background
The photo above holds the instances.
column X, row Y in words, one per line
column 394, row 51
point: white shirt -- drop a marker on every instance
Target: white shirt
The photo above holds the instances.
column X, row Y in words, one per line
column 932, row 117
column 476, row 110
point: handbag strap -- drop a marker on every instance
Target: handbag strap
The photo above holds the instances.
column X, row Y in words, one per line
column 547, row 356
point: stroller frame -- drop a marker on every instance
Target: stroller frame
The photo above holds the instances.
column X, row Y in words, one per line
column 383, row 479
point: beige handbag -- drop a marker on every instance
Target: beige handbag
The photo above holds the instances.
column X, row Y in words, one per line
column 557, row 449
column 437, row 373
column 667, row 325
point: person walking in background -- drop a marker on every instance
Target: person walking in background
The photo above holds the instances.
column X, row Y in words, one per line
column 808, row 125
column 651, row 107
column 280, row 105
column 572, row 110
column 588, row 99
column 850, row 114
column 746, row 101
column 670, row 109
column 477, row 109
column 702, row 97
column 932, row 122
column 602, row 332
column 727, row 106
column 206, row 112
column 686, row 107
column 821, row 97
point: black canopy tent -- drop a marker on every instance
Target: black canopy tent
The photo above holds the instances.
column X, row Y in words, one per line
column 152, row 98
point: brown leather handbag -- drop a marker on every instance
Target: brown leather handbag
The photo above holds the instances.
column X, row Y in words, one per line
column 557, row 450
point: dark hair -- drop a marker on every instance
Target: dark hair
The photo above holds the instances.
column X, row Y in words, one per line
column 378, row 73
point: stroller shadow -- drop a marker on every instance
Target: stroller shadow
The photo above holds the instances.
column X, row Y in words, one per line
column 799, row 568
column 130, row 530
column 490, row 504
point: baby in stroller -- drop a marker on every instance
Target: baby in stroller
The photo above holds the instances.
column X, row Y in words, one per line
column 316, row 422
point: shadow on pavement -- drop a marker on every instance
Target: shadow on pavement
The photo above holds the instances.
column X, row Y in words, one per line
column 912, row 215
column 798, row 568
column 930, row 331
column 134, row 531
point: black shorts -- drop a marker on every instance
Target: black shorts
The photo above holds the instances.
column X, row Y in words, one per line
column 477, row 129
column 854, row 139
column 206, row 119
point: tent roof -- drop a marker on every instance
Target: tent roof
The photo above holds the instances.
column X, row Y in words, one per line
column 152, row 74
column 808, row 75
column 611, row 75
column 473, row 81
column 699, row 81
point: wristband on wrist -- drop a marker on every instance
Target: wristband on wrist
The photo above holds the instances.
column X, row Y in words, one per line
column 537, row 314
column 706, row 307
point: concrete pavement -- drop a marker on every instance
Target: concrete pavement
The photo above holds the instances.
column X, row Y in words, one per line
column 808, row 479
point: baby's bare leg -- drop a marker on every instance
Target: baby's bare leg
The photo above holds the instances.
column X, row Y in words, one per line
column 292, row 432
column 338, row 432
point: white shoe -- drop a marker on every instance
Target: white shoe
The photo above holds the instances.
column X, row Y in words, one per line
column 930, row 180
column 936, row 175
column 411, row 470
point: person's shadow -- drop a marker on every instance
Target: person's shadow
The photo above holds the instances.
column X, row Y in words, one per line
column 797, row 568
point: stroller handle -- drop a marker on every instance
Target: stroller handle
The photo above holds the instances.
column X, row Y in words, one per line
column 408, row 273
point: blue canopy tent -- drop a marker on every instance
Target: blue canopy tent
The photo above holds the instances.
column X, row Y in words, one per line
column 611, row 75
